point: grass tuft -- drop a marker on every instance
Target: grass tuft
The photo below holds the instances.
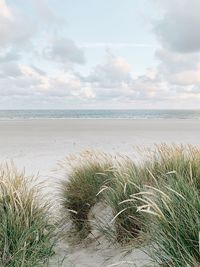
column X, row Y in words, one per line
column 159, row 197
column 126, row 181
column 25, row 228
column 182, row 159
column 171, row 205
column 173, row 221
column 81, row 184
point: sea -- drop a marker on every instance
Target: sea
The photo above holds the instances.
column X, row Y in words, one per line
column 99, row 114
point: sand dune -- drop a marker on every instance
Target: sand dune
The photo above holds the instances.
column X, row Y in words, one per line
column 37, row 145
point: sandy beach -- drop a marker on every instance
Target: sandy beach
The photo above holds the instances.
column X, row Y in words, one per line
column 37, row 146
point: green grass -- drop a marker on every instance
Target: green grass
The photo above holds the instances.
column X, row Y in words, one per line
column 80, row 186
column 126, row 181
column 185, row 160
column 170, row 205
column 173, row 220
column 25, row 228
column 159, row 197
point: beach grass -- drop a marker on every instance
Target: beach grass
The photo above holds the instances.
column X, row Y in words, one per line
column 127, row 180
column 80, row 186
column 182, row 159
column 25, row 228
column 173, row 221
column 170, row 205
column 157, row 198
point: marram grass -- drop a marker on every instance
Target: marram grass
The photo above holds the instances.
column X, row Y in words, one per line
column 25, row 228
column 171, row 205
column 182, row 159
column 173, row 222
column 159, row 196
column 126, row 181
column 84, row 177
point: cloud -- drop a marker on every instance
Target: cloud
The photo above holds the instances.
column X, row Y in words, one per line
column 115, row 81
column 109, row 82
column 9, row 56
column 54, row 73
column 88, row 92
column 185, row 78
column 178, row 30
column 15, row 27
column 175, row 61
column 24, row 80
column 113, row 72
column 65, row 51
column 9, row 69
column 46, row 13
column 179, row 69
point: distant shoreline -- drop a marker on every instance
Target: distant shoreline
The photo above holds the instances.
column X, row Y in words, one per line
column 99, row 114
column 99, row 119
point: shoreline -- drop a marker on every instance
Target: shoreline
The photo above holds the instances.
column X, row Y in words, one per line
column 101, row 119
column 120, row 119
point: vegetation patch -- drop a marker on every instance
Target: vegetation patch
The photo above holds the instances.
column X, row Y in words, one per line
column 181, row 159
column 173, row 222
column 83, row 178
column 25, row 228
column 127, row 180
column 158, row 197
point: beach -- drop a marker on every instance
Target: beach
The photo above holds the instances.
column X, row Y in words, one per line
column 37, row 145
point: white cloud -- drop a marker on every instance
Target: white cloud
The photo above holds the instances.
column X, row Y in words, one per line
column 88, row 92
column 15, row 27
column 113, row 72
column 178, row 68
column 65, row 51
column 178, row 30
column 175, row 62
column 188, row 77
column 7, row 56
column 9, row 69
column 46, row 13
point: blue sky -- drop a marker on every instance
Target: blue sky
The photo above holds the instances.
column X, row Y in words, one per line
column 99, row 54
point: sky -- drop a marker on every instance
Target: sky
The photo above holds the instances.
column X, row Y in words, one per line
column 99, row 54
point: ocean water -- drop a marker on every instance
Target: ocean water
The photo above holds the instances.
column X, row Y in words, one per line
column 99, row 114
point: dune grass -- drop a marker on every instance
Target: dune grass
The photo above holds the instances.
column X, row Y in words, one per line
column 160, row 196
column 182, row 159
column 97, row 176
column 80, row 186
column 173, row 220
column 127, row 180
column 170, row 205
column 25, row 228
